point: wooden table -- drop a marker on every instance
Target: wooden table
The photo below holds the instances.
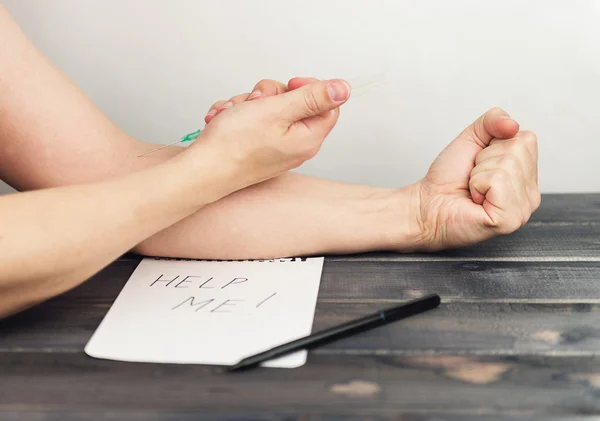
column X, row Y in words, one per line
column 516, row 337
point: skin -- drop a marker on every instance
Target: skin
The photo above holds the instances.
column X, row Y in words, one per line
column 85, row 196
column 483, row 184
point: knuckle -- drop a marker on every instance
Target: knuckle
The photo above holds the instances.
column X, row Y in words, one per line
column 499, row 177
column 311, row 101
column 511, row 164
column 517, row 146
column 239, row 98
column 536, row 199
column 473, row 173
column 270, row 87
column 496, row 110
column 263, row 83
column 512, row 223
column 474, row 179
column 528, row 136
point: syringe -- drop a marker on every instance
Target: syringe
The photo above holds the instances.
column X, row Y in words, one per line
column 358, row 85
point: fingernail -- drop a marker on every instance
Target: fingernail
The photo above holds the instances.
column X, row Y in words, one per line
column 338, row 90
column 211, row 113
column 254, row 95
column 226, row 105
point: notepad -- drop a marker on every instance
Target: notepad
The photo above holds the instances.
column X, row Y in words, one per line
column 210, row 312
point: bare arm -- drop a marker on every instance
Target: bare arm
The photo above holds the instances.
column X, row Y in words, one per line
column 89, row 198
column 58, row 137
column 483, row 184
column 53, row 239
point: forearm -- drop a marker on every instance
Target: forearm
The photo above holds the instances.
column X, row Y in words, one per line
column 293, row 215
column 54, row 239
column 52, row 135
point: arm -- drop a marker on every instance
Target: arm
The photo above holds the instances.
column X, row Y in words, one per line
column 52, row 239
column 58, row 137
column 77, row 221
column 293, row 215
column 456, row 204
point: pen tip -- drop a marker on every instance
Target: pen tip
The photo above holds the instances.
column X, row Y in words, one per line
column 235, row 367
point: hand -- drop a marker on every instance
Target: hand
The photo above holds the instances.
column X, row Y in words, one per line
column 263, row 89
column 262, row 139
column 485, row 183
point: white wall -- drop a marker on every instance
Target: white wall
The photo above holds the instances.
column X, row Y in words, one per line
column 155, row 67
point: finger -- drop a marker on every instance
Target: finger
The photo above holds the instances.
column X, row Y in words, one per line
column 299, row 82
column 530, row 142
column 497, row 150
column 511, row 166
column 523, row 146
column 526, row 137
column 232, row 101
column 455, row 162
column 495, row 123
column 266, row 88
column 531, row 167
column 501, row 203
column 321, row 124
column 212, row 111
column 311, row 100
column 239, row 98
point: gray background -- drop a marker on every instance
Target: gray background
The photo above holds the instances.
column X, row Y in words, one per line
column 155, row 67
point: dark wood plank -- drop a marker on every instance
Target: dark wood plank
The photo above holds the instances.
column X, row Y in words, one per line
column 365, row 386
column 454, row 328
column 358, row 280
column 462, row 281
column 517, row 335
column 472, row 329
column 568, row 208
column 260, row 416
column 530, row 243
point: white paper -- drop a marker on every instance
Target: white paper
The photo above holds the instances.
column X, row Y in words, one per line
column 210, row 312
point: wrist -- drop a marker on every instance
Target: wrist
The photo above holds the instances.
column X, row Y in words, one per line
column 209, row 173
column 400, row 220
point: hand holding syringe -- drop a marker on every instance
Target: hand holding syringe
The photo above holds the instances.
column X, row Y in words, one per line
column 359, row 86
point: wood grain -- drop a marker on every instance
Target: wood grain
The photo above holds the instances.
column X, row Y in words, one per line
column 103, row 415
column 357, row 280
column 462, row 281
column 568, row 208
column 365, row 385
column 517, row 337
column 453, row 329
column 561, row 242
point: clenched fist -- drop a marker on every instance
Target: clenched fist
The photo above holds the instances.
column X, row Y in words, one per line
column 485, row 183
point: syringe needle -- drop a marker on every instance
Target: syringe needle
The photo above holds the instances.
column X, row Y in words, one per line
column 187, row 138
column 158, row 149
column 359, row 86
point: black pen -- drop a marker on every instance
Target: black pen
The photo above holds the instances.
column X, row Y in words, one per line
column 380, row 318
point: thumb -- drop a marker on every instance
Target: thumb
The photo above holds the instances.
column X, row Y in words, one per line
column 455, row 162
column 299, row 82
column 495, row 123
column 312, row 99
